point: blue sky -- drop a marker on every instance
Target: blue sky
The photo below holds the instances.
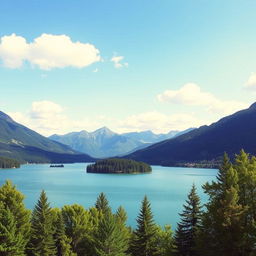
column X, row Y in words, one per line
column 160, row 65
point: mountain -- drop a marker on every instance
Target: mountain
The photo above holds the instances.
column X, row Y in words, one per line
column 100, row 143
column 106, row 143
column 205, row 144
column 25, row 145
column 149, row 136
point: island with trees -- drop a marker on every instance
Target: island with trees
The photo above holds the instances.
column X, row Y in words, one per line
column 8, row 163
column 118, row 165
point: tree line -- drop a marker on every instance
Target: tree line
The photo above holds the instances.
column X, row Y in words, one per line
column 224, row 226
column 6, row 163
column 118, row 165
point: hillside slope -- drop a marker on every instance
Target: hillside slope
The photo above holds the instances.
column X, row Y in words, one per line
column 207, row 143
column 25, row 145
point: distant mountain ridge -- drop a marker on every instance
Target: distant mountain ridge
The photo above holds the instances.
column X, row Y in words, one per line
column 207, row 143
column 105, row 143
column 25, row 145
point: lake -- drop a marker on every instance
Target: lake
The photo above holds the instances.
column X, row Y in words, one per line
column 166, row 188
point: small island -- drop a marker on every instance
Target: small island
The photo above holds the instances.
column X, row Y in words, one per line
column 8, row 163
column 118, row 165
column 57, row 165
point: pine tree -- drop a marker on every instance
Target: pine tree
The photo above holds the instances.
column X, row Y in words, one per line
column 143, row 240
column 63, row 243
column 164, row 241
column 222, row 228
column 109, row 240
column 187, row 229
column 125, row 232
column 246, row 170
column 12, row 242
column 42, row 242
column 12, row 199
column 79, row 227
column 102, row 203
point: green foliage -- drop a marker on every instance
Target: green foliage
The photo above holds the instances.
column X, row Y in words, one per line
column 223, row 230
column 226, row 227
column 62, row 242
column 189, row 225
column 144, row 235
column 42, row 230
column 12, row 200
column 102, row 203
column 164, row 242
column 117, row 165
column 109, row 238
column 8, row 163
column 12, row 243
column 79, row 227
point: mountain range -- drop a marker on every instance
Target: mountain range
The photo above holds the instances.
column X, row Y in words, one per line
column 106, row 143
column 25, row 145
column 205, row 144
column 191, row 147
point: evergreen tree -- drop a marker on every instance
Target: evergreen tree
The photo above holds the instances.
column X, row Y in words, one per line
column 102, row 203
column 125, row 232
column 63, row 243
column 79, row 228
column 109, row 239
column 187, row 229
column 42, row 242
column 12, row 199
column 246, row 170
column 12, row 242
column 143, row 240
column 164, row 241
column 222, row 230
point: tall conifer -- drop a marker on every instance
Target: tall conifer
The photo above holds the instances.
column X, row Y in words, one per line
column 109, row 239
column 144, row 235
column 42, row 242
column 12, row 199
column 12, row 242
column 189, row 225
column 102, row 203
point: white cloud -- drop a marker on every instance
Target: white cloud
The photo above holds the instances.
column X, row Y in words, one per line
column 159, row 122
column 47, row 118
column 117, row 62
column 251, row 83
column 95, row 70
column 191, row 94
column 46, row 52
column 13, row 50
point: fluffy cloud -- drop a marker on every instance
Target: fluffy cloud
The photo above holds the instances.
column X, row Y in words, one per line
column 47, row 118
column 117, row 62
column 46, row 52
column 251, row 83
column 192, row 95
column 159, row 122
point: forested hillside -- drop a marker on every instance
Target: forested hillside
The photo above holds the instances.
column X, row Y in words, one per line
column 205, row 146
column 6, row 163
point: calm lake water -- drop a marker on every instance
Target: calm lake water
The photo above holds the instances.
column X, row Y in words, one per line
column 166, row 188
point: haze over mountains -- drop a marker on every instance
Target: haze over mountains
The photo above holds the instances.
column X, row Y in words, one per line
column 106, row 143
column 25, row 145
column 207, row 143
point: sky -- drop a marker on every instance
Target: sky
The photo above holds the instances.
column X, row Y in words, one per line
column 130, row 65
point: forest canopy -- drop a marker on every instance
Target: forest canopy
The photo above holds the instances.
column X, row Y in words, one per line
column 118, row 165
column 6, row 163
